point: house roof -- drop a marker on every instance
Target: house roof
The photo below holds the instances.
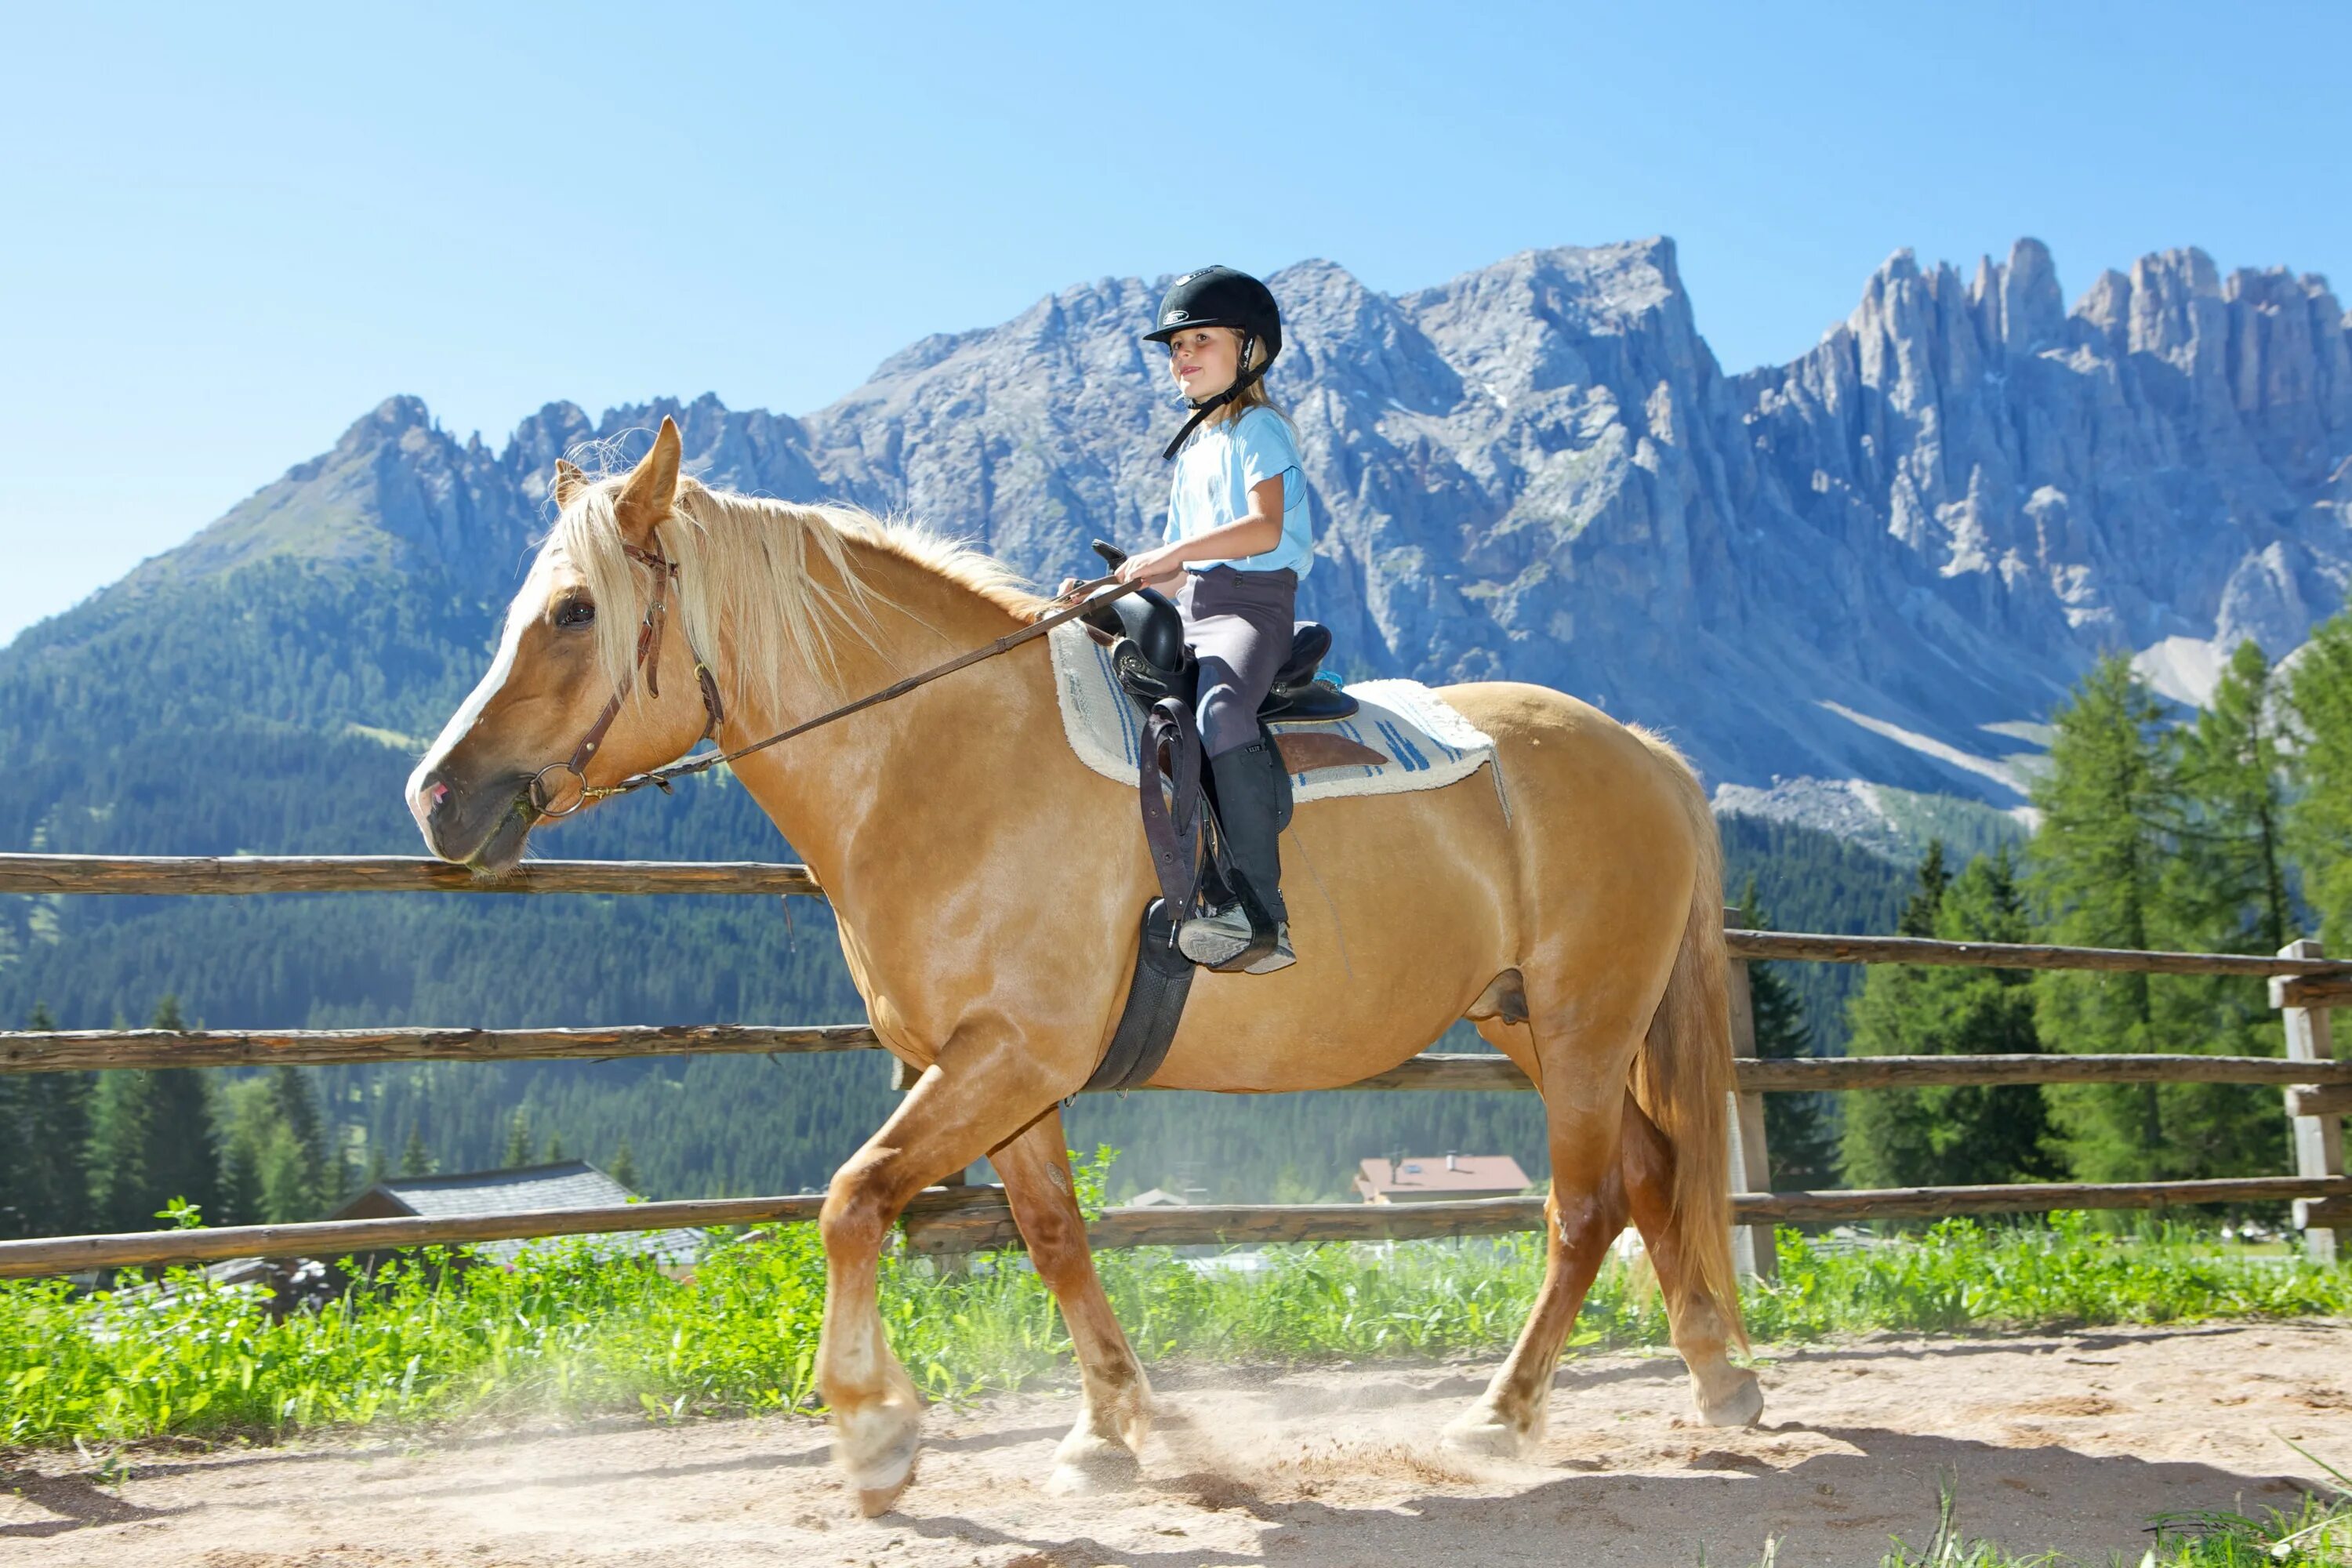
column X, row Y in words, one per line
column 1442, row 1173
column 566, row 1184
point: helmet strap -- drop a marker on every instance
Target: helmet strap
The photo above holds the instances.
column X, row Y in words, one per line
column 1242, row 376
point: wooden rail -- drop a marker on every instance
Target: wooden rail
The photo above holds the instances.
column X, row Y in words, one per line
column 82, row 1050
column 245, row 874
column 2303, row 984
column 386, row 874
column 968, row 1219
column 2321, row 1084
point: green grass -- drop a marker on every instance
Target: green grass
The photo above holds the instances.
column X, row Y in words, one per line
column 2317, row 1534
column 566, row 1335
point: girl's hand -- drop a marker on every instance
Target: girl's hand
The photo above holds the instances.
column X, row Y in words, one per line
column 1152, row 565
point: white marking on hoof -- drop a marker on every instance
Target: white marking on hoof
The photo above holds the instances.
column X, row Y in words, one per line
column 882, row 1472
column 1086, row 1464
column 1484, row 1433
column 1743, row 1406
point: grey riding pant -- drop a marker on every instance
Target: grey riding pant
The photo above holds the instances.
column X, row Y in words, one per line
column 1240, row 626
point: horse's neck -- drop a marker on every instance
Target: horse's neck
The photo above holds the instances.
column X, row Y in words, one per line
column 830, row 791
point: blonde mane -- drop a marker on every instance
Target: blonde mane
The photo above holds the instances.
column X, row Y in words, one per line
column 778, row 579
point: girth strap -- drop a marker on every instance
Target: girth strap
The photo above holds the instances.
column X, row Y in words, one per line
column 1155, row 1006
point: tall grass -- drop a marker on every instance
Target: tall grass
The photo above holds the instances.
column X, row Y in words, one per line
column 565, row 1334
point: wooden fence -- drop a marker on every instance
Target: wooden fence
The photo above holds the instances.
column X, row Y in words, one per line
column 2303, row 984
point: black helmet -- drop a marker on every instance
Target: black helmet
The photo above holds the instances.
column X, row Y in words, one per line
column 1220, row 296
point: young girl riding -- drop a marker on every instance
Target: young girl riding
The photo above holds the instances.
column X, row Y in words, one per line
column 1238, row 541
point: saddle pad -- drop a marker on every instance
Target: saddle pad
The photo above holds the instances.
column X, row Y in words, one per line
column 1427, row 744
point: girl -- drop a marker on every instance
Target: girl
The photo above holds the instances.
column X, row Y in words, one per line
column 1237, row 540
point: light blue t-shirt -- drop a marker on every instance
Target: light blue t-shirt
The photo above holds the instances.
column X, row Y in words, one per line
column 1211, row 488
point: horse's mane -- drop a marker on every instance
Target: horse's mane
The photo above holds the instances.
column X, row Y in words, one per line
column 780, row 578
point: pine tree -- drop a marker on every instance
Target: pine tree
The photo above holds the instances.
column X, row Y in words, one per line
column 2228, row 890
column 1798, row 1128
column 556, row 1153
column 625, row 1164
column 16, row 1173
column 2319, row 824
column 415, row 1160
column 52, row 1110
column 303, row 1188
column 2227, row 886
column 240, row 1192
column 1919, row 914
column 518, row 1152
column 288, row 1192
column 1932, row 1137
column 2111, row 815
column 152, row 1140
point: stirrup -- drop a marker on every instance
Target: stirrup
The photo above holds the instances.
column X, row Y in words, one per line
column 1227, row 942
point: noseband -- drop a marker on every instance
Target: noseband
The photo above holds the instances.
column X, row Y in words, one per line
column 545, row 798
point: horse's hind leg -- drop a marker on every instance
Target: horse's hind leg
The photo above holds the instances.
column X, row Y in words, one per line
column 1103, row 1448
column 1586, row 1210
column 1727, row 1396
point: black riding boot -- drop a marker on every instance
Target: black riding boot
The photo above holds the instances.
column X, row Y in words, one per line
column 1252, row 932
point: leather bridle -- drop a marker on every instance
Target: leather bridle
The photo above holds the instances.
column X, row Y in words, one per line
column 649, row 638
column 542, row 799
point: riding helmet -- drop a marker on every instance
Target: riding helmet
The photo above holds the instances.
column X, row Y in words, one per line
column 1220, row 296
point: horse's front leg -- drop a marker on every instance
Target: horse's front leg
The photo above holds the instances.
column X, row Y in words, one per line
column 1102, row 1450
column 949, row 1119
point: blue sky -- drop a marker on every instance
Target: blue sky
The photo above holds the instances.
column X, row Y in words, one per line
column 229, row 231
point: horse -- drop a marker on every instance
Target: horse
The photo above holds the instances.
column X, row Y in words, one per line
column 988, row 885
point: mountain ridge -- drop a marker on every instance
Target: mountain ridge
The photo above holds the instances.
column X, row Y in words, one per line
column 1873, row 562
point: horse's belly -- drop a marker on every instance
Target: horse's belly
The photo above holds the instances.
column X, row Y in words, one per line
column 1402, row 910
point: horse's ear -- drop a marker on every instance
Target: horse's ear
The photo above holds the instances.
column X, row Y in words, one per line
column 652, row 485
column 569, row 482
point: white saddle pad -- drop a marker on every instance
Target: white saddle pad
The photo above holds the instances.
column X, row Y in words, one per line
column 1427, row 744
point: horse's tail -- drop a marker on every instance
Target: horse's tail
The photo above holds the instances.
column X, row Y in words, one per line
column 1683, row 1077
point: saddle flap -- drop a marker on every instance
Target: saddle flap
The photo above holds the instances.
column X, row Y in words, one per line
column 1304, row 751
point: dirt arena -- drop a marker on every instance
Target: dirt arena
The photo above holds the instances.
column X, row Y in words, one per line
column 2068, row 1441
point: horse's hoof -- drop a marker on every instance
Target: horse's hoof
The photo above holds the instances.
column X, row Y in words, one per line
column 1085, row 1465
column 1743, row 1406
column 1484, row 1436
column 875, row 1501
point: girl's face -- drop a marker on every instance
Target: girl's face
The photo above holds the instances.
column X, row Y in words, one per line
column 1204, row 360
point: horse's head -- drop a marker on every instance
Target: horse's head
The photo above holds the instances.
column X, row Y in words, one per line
column 572, row 643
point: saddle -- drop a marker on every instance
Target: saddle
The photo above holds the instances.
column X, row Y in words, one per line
column 1158, row 673
column 1149, row 653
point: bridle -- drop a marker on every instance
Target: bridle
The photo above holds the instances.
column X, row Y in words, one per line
column 649, row 637
column 542, row 799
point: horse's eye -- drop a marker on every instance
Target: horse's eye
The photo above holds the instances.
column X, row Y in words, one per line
column 576, row 611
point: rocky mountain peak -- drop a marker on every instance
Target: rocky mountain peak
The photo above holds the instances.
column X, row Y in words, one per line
column 1879, row 561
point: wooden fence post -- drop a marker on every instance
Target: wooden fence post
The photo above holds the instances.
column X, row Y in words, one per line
column 1753, row 1249
column 2318, row 1140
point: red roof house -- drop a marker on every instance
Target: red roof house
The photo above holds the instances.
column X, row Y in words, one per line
column 1421, row 1178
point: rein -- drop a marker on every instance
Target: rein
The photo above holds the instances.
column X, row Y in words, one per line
column 649, row 635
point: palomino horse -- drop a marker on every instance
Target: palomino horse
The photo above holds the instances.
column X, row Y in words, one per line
column 988, row 886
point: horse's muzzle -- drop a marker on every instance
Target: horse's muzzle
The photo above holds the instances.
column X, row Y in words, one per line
column 483, row 826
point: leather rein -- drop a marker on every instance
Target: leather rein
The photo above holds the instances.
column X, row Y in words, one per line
column 548, row 803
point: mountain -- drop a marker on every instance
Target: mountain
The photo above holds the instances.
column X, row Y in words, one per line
column 1884, row 561
column 1852, row 586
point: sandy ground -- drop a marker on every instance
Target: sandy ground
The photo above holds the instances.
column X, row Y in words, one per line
column 2066, row 1441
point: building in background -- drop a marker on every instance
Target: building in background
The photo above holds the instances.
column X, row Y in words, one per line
column 1423, row 1178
